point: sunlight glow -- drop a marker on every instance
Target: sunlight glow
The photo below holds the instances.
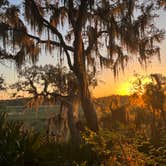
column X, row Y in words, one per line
column 124, row 88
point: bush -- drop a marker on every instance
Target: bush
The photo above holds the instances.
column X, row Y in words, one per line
column 32, row 149
column 155, row 153
column 122, row 147
column 17, row 148
column 112, row 148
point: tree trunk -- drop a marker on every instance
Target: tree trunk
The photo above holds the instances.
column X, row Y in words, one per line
column 80, row 71
column 164, row 117
column 81, row 74
column 75, row 134
column 154, row 130
column 89, row 111
column 86, row 101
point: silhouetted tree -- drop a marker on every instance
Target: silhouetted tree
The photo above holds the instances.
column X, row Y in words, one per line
column 88, row 34
column 2, row 84
column 152, row 93
column 52, row 84
column 43, row 81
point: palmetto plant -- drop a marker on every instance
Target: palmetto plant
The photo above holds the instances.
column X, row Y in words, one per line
column 17, row 148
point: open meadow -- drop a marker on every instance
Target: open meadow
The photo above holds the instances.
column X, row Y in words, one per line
column 31, row 118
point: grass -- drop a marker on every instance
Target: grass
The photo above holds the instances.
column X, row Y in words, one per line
column 36, row 120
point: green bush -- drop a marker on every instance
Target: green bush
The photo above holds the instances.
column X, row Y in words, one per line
column 32, row 149
column 121, row 147
column 113, row 148
column 17, row 148
column 156, row 154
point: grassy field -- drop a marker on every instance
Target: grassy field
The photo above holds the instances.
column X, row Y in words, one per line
column 31, row 118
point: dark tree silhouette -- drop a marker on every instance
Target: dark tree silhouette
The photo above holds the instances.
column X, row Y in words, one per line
column 88, row 34
column 2, row 84
column 153, row 96
column 44, row 81
column 52, row 85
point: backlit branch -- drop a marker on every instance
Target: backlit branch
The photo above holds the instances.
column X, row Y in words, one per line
column 54, row 31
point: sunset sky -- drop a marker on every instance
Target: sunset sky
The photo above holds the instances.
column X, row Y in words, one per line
column 109, row 85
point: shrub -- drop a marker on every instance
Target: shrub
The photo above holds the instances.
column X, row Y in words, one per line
column 112, row 148
column 17, row 148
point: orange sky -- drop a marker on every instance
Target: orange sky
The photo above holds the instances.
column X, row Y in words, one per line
column 109, row 85
column 121, row 85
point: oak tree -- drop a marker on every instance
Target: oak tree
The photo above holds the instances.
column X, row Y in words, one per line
column 2, row 84
column 52, row 85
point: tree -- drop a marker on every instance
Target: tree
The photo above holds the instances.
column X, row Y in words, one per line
column 151, row 95
column 2, row 84
column 45, row 81
column 162, row 3
column 154, row 95
column 52, row 84
column 88, row 34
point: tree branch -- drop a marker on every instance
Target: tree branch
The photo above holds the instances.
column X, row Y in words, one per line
column 5, row 55
column 92, row 40
column 51, row 42
column 52, row 28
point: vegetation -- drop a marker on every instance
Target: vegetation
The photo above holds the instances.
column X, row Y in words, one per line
column 85, row 35
column 52, row 85
column 80, row 31
column 2, row 84
column 130, row 142
column 129, row 145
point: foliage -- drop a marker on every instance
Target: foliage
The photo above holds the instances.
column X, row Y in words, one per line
column 112, row 29
column 19, row 148
column 66, row 154
column 48, row 81
column 155, row 153
column 124, row 145
column 16, row 147
column 2, row 84
column 112, row 148
column 87, row 34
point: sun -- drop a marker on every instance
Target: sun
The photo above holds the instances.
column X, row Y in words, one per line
column 124, row 88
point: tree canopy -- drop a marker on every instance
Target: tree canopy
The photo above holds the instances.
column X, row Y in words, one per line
column 108, row 29
column 88, row 34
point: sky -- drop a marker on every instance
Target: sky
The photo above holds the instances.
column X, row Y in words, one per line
column 107, row 84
